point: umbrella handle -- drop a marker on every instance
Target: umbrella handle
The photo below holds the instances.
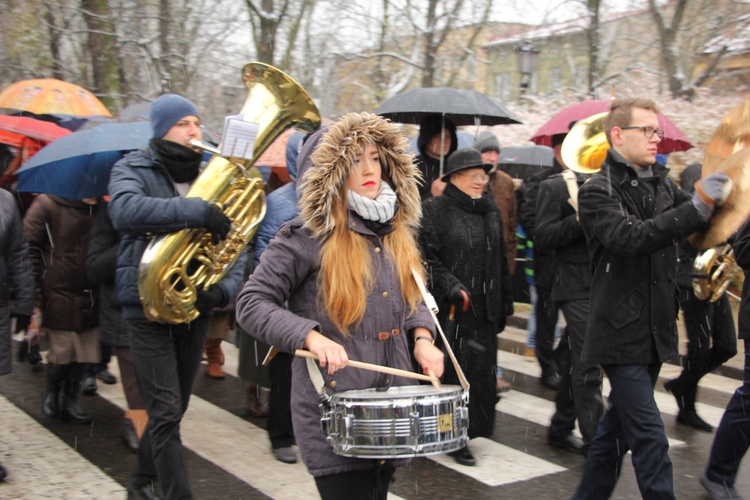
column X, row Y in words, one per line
column 464, row 307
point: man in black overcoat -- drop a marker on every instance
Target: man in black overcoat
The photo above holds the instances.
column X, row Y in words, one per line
column 632, row 213
column 560, row 233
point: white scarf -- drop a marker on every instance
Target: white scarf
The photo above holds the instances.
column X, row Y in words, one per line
column 381, row 209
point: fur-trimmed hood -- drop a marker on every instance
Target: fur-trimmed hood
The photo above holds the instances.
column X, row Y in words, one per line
column 333, row 158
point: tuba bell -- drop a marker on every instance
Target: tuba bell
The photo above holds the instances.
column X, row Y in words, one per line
column 175, row 266
column 713, row 272
column 585, row 147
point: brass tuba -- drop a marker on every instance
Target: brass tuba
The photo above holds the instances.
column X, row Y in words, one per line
column 713, row 271
column 585, row 147
column 175, row 266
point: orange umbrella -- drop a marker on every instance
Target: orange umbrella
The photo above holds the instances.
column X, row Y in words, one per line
column 13, row 130
column 51, row 96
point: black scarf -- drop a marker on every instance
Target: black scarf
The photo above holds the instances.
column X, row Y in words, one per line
column 182, row 162
column 495, row 252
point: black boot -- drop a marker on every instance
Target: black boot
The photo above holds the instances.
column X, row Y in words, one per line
column 55, row 376
column 71, row 412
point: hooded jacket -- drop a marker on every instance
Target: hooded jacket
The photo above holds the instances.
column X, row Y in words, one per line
column 288, row 273
column 58, row 231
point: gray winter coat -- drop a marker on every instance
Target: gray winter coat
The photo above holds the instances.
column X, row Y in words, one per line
column 288, row 272
column 16, row 279
column 144, row 203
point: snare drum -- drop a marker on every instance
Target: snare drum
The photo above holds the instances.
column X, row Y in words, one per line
column 408, row 421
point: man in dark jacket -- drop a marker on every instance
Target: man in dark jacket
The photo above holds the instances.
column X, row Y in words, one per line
column 632, row 213
column 731, row 442
column 545, row 308
column 559, row 232
column 16, row 281
column 147, row 190
column 712, row 336
column 437, row 140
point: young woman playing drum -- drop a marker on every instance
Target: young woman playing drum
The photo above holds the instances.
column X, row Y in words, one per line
column 344, row 269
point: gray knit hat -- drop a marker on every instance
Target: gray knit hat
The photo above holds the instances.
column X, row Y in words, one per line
column 167, row 110
column 486, row 141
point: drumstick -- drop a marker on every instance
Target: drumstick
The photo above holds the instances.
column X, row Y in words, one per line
column 376, row 368
column 435, row 381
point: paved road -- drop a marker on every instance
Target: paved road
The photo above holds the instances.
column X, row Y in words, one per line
column 228, row 453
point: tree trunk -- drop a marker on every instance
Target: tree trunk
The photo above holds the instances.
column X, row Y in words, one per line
column 428, row 73
column 102, row 51
column 593, row 39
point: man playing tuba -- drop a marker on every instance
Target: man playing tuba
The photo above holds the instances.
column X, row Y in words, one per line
column 147, row 190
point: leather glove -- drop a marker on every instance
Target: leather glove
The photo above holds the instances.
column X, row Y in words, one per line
column 210, row 299
column 22, row 322
column 455, row 296
column 714, row 189
column 217, row 224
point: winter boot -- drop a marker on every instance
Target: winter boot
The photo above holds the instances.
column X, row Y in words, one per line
column 55, row 376
column 71, row 412
column 215, row 358
column 255, row 406
column 688, row 416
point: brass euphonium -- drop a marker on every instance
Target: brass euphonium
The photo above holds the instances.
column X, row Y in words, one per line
column 175, row 266
column 585, row 147
column 713, row 272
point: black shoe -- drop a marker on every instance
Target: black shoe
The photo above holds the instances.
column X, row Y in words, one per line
column 23, row 351
column 128, row 435
column 73, row 413
column 551, row 382
column 88, row 386
column 718, row 491
column 106, row 377
column 464, row 456
column 570, row 443
column 3, row 473
column 34, row 358
column 145, row 491
column 691, row 419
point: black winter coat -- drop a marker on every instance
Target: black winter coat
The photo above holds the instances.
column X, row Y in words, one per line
column 742, row 255
column 558, row 231
column 462, row 242
column 631, row 225
column 101, row 263
column 527, row 217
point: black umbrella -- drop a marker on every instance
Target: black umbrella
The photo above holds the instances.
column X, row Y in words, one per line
column 461, row 106
column 520, row 162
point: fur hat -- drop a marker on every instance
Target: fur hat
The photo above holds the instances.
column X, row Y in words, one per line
column 337, row 152
column 463, row 159
column 486, row 141
column 167, row 110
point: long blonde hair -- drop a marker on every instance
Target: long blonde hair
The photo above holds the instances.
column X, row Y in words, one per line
column 346, row 274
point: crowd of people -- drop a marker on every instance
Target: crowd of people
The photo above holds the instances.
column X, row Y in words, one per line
column 336, row 269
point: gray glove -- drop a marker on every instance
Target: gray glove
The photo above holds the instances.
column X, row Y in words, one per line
column 710, row 191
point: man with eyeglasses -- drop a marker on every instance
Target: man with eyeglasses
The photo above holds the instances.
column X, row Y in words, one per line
column 632, row 213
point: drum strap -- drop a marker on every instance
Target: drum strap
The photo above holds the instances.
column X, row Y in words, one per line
column 315, row 376
column 429, row 301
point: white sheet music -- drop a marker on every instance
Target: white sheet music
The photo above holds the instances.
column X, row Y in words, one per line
column 238, row 140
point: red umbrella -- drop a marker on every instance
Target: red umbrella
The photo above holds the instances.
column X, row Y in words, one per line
column 674, row 139
column 13, row 129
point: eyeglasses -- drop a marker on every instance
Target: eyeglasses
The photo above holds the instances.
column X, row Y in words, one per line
column 484, row 179
column 648, row 131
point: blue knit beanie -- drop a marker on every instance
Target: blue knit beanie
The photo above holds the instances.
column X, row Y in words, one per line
column 168, row 110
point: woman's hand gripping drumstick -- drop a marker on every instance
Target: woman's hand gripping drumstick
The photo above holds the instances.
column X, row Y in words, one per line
column 333, row 355
column 429, row 357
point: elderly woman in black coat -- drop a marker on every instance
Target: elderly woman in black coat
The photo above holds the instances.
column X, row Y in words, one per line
column 462, row 243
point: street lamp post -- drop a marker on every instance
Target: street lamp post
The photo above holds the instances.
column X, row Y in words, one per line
column 526, row 54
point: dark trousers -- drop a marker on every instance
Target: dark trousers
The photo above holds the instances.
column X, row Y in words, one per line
column 546, row 320
column 632, row 422
column 369, row 484
column 105, row 356
column 280, row 430
column 166, row 359
column 580, row 393
column 712, row 340
column 731, row 441
column 129, row 379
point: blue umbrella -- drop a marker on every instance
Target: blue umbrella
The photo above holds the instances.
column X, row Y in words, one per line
column 79, row 166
